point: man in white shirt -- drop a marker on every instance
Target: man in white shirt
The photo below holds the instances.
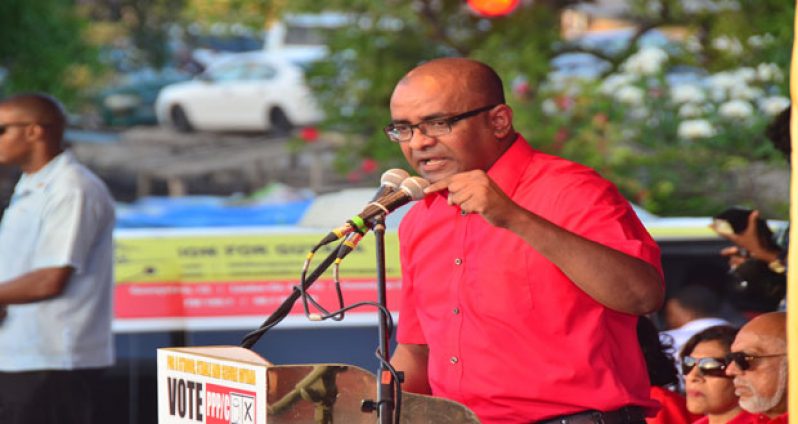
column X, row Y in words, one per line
column 56, row 271
column 693, row 309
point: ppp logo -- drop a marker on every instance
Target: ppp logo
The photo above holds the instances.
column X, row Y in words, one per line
column 224, row 405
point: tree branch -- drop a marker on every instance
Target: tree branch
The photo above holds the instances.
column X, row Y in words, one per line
column 436, row 27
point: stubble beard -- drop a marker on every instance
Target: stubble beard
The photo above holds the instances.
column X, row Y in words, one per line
column 756, row 403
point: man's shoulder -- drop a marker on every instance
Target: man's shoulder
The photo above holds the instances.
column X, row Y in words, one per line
column 555, row 169
column 73, row 175
column 562, row 178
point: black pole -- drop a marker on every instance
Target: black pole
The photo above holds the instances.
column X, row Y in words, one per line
column 385, row 383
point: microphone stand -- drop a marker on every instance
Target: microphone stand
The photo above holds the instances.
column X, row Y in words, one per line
column 385, row 383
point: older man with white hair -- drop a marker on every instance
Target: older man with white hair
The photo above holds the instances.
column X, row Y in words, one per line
column 758, row 363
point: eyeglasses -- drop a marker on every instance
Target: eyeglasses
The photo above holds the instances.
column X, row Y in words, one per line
column 715, row 367
column 743, row 360
column 4, row 127
column 431, row 127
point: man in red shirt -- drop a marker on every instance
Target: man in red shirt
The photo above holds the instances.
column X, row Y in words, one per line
column 522, row 273
column 758, row 363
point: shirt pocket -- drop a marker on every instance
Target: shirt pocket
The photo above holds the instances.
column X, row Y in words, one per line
column 499, row 282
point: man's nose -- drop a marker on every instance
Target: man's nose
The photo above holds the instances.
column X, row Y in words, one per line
column 732, row 369
column 419, row 140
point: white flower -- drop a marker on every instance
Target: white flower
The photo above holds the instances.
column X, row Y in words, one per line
column 723, row 81
column 745, row 92
column 769, row 72
column 745, row 74
column 692, row 110
column 695, row 128
column 728, row 44
column 773, row 105
column 647, row 61
column 736, row 109
column 614, row 82
column 685, row 93
column 718, row 94
column 549, row 107
column 693, row 44
column 757, row 41
column 732, row 85
column 630, row 95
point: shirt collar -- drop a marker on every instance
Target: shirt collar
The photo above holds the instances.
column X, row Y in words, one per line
column 506, row 171
column 41, row 178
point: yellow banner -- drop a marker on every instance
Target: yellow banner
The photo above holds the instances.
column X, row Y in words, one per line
column 241, row 258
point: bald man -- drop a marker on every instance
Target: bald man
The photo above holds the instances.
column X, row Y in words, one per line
column 522, row 273
column 758, row 363
column 56, row 259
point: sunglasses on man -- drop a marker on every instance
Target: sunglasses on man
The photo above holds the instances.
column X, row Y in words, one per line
column 715, row 367
column 743, row 360
column 5, row 127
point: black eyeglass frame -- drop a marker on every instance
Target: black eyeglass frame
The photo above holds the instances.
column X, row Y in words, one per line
column 449, row 121
column 743, row 360
column 688, row 363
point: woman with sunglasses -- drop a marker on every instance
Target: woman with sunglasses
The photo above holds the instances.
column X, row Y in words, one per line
column 709, row 390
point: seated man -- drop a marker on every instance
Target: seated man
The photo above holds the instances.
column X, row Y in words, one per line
column 692, row 309
column 758, row 363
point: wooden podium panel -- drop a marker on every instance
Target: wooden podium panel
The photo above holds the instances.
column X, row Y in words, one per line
column 333, row 393
column 233, row 385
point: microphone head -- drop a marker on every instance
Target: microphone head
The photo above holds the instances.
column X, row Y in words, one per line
column 414, row 186
column 393, row 177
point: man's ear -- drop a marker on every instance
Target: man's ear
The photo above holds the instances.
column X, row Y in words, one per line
column 501, row 121
column 35, row 132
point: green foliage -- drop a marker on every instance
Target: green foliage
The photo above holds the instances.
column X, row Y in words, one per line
column 387, row 39
column 675, row 149
column 639, row 147
column 249, row 13
column 42, row 47
column 143, row 26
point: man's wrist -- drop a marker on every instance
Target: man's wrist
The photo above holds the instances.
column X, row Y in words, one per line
column 767, row 256
column 777, row 266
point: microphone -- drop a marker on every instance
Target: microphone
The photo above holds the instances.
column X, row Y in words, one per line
column 389, row 182
column 411, row 189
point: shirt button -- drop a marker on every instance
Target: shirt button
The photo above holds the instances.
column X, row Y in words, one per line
column 453, row 360
column 456, row 311
column 458, row 261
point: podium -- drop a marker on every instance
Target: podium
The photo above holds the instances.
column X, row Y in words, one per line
column 233, row 385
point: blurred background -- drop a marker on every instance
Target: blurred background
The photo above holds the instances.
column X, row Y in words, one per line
column 189, row 109
column 667, row 98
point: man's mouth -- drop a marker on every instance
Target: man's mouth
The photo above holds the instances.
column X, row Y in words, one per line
column 741, row 389
column 431, row 163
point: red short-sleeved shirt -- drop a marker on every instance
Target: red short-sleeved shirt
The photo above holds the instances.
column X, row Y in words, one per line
column 509, row 335
column 745, row 417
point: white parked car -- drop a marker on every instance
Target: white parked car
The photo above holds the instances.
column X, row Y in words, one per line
column 242, row 92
